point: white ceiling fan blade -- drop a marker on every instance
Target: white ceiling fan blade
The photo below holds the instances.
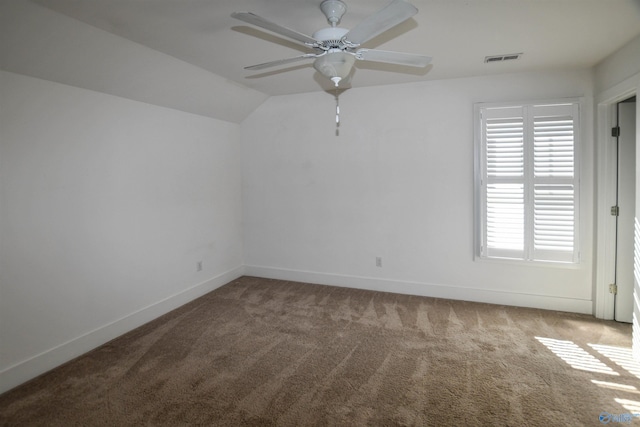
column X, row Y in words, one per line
column 393, row 14
column 280, row 62
column 258, row 21
column 400, row 58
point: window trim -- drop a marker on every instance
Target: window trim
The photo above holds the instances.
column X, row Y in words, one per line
column 479, row 175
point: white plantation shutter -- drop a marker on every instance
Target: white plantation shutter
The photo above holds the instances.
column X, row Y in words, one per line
column 528, row 182
column 554, row 177
column 504, row 192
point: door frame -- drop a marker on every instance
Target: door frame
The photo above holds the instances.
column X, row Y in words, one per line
column 606, row 174
column 625, row 220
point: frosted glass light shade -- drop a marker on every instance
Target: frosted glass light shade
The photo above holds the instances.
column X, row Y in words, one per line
column 334, row 65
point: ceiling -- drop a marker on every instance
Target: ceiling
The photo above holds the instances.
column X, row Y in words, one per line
column 458, row 34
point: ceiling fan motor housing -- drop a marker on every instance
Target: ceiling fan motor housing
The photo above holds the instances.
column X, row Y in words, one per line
column 331, row 38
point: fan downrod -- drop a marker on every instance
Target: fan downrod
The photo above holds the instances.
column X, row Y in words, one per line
column 333, row 10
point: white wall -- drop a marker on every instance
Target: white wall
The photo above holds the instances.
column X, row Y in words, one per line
column 618, row 67
column 106, row 206
column 396, row 183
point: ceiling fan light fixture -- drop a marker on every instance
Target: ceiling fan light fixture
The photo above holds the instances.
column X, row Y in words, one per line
column 335, row 65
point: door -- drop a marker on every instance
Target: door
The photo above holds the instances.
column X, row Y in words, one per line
column 626, row 210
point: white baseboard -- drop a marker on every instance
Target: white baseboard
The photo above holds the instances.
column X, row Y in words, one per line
column 572, row 305
column 47, row 360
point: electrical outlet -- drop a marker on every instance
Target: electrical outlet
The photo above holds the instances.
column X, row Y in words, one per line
column 199, row 266
column 378, row 261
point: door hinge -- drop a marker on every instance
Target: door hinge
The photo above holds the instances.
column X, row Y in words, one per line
column 615, row 210
column 613, row 289
column 615, row 131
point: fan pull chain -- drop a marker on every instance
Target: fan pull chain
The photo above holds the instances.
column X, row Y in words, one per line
column 337, row 112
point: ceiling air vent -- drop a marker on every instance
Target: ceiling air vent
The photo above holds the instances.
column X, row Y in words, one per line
column 502, row 58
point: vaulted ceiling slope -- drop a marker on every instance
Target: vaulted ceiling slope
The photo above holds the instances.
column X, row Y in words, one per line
column 38, row 42
column 188, row 38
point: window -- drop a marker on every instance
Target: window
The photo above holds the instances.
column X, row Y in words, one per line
column 527, row 181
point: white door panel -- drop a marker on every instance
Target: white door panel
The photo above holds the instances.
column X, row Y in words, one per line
column 626, row 204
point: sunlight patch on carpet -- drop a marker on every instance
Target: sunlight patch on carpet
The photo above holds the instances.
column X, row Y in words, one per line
column 616, row 386
column 621, row 356
column 632, row 406
column 576, row 356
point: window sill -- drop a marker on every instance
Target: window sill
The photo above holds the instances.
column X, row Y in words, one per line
column 525, row 263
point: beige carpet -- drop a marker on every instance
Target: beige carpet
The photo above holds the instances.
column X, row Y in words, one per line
column 266, row 352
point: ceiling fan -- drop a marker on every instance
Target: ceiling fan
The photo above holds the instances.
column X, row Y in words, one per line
column 336, row 49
